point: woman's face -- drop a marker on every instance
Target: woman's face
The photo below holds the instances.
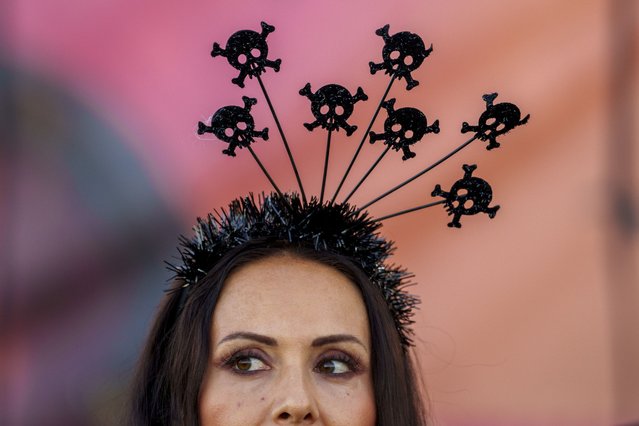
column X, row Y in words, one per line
column 290, row 345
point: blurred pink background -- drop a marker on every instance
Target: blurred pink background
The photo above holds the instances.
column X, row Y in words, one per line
column 528, row 319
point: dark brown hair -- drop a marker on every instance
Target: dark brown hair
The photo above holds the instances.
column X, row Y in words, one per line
column 166, row 388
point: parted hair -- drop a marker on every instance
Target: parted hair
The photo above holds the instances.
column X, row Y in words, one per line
column 166, row 386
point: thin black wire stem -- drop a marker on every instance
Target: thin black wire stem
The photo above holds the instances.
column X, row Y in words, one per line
column 279, row 128
column 328, row 150
column 268, row 176
column 414, row 209
column 426, row 170
column 361, row 181
column 361, row 143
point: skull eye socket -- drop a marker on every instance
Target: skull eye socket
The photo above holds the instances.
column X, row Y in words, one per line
column 462, row 192
column 241, row 125
column 324, row 109
column 468, row 204
column 241, row 58
column 339, row 110
column 408, row 60
column 490, row 121
column 229, row 132
column 500, row 127
column 396, row 127
column 256, row 53
column 408, row 133
column 394, row 54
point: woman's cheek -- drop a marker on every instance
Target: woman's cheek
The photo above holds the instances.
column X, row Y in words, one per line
column 228, row 401
column 350, row 403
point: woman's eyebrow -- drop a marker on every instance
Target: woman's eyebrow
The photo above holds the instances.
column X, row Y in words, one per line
column 260, row 338
column 269, row 341
column 336, row 338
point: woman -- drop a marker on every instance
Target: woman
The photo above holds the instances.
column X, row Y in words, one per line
column 284, row 311
column 279, row 331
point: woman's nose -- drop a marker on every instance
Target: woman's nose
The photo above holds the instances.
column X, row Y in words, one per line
column 295, row 400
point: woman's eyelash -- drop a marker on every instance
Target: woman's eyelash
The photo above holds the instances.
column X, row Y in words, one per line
column 353, row 364
column 244, row 361
column 231, row 362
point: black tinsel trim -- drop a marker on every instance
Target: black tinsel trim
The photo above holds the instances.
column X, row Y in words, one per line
column 336, row 228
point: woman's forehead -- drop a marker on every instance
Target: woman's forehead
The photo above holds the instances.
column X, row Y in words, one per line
column 290, row 297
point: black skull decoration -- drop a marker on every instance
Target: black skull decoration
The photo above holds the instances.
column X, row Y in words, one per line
column 403, row 53
column 403, row 128
column 247, row 52
column 495, row 121
column 234, row 125
column 468, row 196
column 332, row 105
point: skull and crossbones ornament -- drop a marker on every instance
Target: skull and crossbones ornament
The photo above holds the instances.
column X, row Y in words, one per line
column 403, row 53
column 234, row 125
column 495, row 121
column 332, row 105
column 247, row 52
column 403, row 128
column 468, row 196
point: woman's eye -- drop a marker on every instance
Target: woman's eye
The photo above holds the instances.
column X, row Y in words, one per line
column 333, row 367
column 247, row 364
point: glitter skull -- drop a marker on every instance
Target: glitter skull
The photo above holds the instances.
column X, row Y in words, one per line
column 403, row 53
column 247, row 52
column 332, row 105
column 235, row 126
column 403, row 128
column 495, row 121
column 468, row 196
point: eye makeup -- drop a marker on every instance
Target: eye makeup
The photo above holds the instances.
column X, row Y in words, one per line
column 245, row 362
column 338, row 364
column 331, row 362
